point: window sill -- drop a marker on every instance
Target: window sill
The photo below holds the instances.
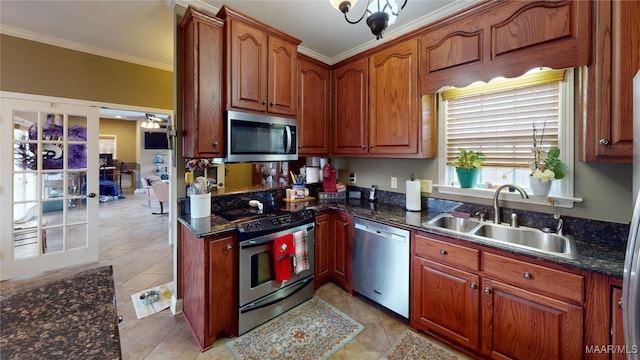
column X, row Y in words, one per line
column 551, row 200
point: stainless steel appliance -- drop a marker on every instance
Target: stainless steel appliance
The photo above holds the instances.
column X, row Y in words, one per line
column 253, row 137
column 261, row 298
column 381, row 264
column 631, row 281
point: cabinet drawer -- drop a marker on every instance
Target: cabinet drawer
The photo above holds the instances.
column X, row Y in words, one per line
column 532, row 277
column 447, row 253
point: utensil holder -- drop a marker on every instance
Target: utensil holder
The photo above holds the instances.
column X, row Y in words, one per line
column 200, row 205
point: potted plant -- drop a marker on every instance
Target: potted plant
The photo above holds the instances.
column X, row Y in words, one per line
column 545, row 168
column 467, row 164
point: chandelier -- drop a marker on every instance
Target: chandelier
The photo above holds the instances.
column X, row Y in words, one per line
column 382, row 13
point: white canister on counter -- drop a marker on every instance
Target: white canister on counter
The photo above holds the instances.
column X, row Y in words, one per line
column 313, row 174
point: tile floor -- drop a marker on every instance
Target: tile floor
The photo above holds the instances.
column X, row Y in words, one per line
column 135, row 242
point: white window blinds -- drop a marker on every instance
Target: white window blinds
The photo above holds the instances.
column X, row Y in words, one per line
column 498, row 118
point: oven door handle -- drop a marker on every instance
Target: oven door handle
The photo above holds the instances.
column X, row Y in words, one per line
column 273, row 298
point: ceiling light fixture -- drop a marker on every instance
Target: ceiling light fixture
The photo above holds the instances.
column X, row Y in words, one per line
column 382, row 13
column 149, row 123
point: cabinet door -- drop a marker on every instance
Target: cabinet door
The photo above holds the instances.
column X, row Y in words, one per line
column 607, row 133
column 349, row 108
column 617, row 329
column 248, row 66
column 282, row 93
column 202, row 78
column 518, row 324
column 446, row 300
column 322, row 269
column 341, row 246
column 223, row 287
column 314, row 83
column 394, row 115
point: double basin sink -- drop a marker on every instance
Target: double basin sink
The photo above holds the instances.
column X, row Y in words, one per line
column 518, row 237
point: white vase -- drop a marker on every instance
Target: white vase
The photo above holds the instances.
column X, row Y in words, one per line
column 539, row 188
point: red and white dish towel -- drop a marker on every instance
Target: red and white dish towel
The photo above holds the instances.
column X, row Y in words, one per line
column 283, row 250
column 301, row 260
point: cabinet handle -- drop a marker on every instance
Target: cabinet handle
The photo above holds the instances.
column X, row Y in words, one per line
column 317, row 224
column 346, row 224
column 271, row 103
column 364, row 146
column 487, row 290
column 473, row 286
column 620, row 303
column 527, row 275
column 215, row 143
column 229, row 247
column 603, row 142
column 264, row 102
column 443, row 252
column 370, row 146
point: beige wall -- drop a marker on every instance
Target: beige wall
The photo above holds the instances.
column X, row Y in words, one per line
column 127, row 140
column 35, row 68
column 605, row 188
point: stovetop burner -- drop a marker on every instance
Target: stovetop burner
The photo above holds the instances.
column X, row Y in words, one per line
column 252, row 222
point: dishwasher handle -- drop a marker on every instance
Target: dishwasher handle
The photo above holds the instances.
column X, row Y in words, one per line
column 373, row 230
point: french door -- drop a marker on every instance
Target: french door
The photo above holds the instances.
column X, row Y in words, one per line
column 48, row 185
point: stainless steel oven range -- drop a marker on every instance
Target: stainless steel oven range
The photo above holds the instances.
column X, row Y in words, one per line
column 261, row 297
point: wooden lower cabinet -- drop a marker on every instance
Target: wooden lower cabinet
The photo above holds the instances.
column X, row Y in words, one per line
column 617, row 329
column 322, row 269
column 519, row 324
column 209, row 285
column 455, row 298
column 334, row 231
column 446, row 301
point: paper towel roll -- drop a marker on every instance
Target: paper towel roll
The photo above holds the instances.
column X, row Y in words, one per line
column 413, row 195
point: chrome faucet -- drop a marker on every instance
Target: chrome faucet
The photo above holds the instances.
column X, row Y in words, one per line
column 496, row 207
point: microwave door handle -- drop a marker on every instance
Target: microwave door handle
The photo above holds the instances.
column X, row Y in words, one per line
column 287, row 147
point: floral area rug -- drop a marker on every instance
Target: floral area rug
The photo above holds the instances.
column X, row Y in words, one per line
column 412, row 346
column 313, row 330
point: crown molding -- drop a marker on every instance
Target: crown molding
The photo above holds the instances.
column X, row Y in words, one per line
column 51, row 40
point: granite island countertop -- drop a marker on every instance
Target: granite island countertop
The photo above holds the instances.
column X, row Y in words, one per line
column 595, row 255
column 71, row 318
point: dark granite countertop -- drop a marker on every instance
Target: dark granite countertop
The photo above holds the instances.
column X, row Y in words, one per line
column 206, row 226
column 71, row 318
column 595, row 255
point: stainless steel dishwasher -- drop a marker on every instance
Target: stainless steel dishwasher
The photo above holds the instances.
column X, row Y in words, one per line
column 381, row 264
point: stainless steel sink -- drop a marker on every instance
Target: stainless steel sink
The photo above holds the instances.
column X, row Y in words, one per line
column 516, row 237
column 529, row 238
column 448, row 221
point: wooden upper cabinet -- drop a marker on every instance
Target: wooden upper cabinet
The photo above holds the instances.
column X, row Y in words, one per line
column 314, row 84
column 261, row 65
column 202, row 79
column 607, row 129
column 282, row 93
column 504, row 39
column 248, row 66
column 394, row 100
column 349, row 120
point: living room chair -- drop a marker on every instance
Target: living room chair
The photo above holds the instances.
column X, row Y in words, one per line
column 162, row 192
column 147, row 185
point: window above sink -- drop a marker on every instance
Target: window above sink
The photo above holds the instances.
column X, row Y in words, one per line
column 479, row 118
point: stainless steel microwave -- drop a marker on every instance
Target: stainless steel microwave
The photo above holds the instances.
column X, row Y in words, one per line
column 253, row 137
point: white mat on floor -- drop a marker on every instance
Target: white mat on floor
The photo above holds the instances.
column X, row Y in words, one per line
column 163, row 302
